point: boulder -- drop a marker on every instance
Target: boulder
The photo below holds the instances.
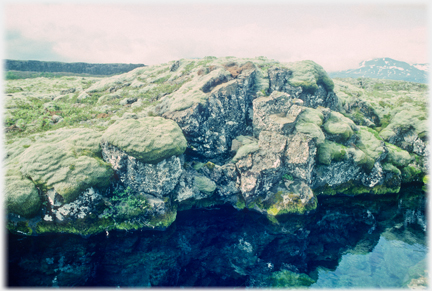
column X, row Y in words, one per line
column 65, row 160
column 148, row 139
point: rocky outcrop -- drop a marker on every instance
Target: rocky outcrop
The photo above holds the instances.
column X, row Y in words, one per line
column 211, row 126
column 78, row 68
column 211, row 136
column 306, row 81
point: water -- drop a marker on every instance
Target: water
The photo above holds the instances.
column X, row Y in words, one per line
column 364, row 241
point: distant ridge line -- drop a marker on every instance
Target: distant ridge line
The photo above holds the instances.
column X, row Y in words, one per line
column 77, row 68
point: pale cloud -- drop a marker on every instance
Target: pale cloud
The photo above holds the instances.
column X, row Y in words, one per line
column 335, row 36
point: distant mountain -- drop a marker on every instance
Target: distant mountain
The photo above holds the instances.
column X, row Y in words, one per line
column 386, row 68
column 79, row 68
column 422, row 67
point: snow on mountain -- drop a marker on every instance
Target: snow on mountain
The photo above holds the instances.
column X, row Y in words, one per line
column 423, row 67
column 386, row 68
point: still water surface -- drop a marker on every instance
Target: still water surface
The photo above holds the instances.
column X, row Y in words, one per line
column 365, row 241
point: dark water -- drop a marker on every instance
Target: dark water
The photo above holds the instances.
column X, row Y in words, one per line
column 364, row 241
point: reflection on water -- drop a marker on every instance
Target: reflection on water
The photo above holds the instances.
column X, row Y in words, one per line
column 391, row 264
column 364, row 241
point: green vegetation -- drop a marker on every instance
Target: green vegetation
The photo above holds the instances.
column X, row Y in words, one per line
column 124, row 205
column 351, row 189
column 67, row 160
column 205, row 185
column 390, row 105
column 280, row 203
column 20, row 227
column 309, row 75
column 149, row 139
column 288, row 279
column 287, row 177
column 339, row 127
column 330, row 151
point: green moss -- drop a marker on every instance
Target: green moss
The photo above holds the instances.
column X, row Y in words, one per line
column 54, row 161
column 240, row 204
column 125, row 205
column 412, row 173
column 272, row 219
column 311, row 115
column 397, row 156
column 89, row 225
column 205, row 185
column 245, row 150
column 350, row 188
column 198, row 165
column 369, row 142
column 339, row 127
column 362, row 159
column 22, row 197
column 295, row 206
column 149, row 139
column 330, row 151
column 20, row 227
column 188, row 68
column 391, row 168
column 163, row 221
column 210, row 165
column 288, row 279
column 309, row 75
column 283, row 203
column 312, row 130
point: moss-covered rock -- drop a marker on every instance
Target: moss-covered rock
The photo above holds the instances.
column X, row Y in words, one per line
column 370, row 142
column 244, row 151
column 22, row 197
column 312, row 130
column 67, row 161
column 412, row 173
column 311, row 115
column 309, row 75
column 339, row 127
column 193, row 92
column 149, row 139
column 353, row 188
column 309, row 122
column 361, row 159
column 405, row 120
column 205, row 185
column 330, row 151
column 397, row 156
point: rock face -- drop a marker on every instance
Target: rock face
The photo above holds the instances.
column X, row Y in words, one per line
column 157, row 180
column 210, row 127
column 254, row 134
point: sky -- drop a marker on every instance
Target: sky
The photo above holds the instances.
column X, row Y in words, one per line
column 335, row 35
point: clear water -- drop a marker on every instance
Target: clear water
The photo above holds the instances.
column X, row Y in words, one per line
column 348, row 242
column 390, row 264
